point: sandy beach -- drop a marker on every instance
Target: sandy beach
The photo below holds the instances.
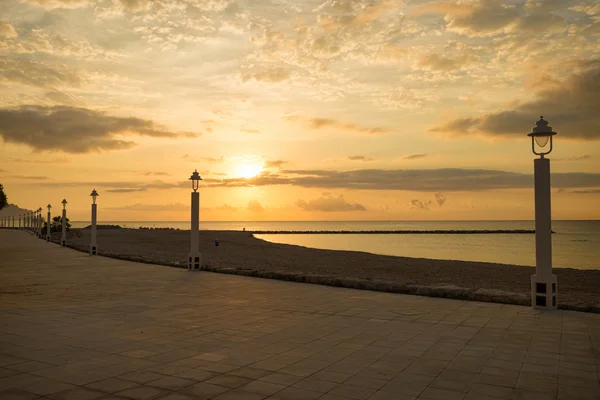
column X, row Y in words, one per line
column 240, row 252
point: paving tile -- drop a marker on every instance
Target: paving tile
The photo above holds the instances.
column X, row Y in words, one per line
column 171, row 383
column 293, row 393
column 174, row 396
column 141, row 376
column 441, row 394
column 111, row 385
column 46, row 387
column 203, row 390
column 77, row 393
column 352, row 392
column 316, row 385
column 381, row 395
column 239, row 395
column 230, row 381
column 16, row 394
column 262, row 387
column 281, row 379
column 480, row 389
column 141, row 393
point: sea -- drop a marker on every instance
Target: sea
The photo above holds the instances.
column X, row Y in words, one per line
column 575, row 244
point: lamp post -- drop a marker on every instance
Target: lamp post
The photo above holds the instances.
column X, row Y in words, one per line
column 48, row 233
column 195, row 258
column 543, row 283
column 93, row 245
column 63, row 239
column 40, row 220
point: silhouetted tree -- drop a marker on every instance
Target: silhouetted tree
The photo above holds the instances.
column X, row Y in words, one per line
column 3, row 198
column 56, row 225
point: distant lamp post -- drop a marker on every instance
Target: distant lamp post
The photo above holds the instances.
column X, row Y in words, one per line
column 195, row 258
column 49, row 224
column 63, row 239
column 40, row 221
column 93, row 245
column 543, row 283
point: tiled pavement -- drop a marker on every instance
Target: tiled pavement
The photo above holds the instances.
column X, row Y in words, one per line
column 77, row 327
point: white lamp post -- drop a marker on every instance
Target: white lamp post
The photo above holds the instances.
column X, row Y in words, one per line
column 195, row 258
column 93, row 245
column 48, row 232
column 543, row 283
column 63, row 239
column 40, row 220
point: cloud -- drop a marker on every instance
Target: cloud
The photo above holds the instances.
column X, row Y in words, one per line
column 151, row 207
column 156, row 174
column 131, row 190
column 131, row 5
column 414, row 156
column 74, row 130
column 424, row 180
column 39, row 74
column 360, row 158
column 52, row 4
column 493, row 17
column 574, row 158
column 254, row 206
column 571, row 107
column 416, row 204
column 329, row 203
column 325, row 123
column 271, row 75
column 253, row 131
column 32, row 178
column 275, row 163
column 7, row 31
column 58, row 160
column 440, row 199
column 436, row 62
column 121, row 187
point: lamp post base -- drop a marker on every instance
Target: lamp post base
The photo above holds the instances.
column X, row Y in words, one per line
column 63, row 243
column 93, row 250
column 47, row 238
column 544, row 292
column 194, row 261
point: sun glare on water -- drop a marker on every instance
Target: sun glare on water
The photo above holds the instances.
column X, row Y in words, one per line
column 248, row 170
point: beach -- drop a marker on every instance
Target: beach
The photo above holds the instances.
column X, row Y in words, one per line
column 241, row 253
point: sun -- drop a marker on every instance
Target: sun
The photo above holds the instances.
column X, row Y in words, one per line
column 248, row 170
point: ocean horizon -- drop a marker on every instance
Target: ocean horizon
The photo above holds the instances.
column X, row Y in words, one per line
column 576, row 243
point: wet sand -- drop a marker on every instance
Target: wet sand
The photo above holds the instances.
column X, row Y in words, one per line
column 240, row 252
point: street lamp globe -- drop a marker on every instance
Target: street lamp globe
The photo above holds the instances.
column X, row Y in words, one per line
column 64, row 203
column 541, row 135
column 94, row 194
column 195, row 178
column 49, row 207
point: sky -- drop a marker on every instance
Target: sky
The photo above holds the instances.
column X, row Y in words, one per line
column 299, row 110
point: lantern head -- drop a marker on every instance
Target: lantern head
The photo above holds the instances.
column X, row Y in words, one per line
column 541, row 135
column 195, row 178
column 94, row 194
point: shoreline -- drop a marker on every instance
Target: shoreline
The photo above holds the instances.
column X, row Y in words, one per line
column 241, row 253
column 402, row 232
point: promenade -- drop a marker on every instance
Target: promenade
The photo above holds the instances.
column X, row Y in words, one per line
column 79, row 327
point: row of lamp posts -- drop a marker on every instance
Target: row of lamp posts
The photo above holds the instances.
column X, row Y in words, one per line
column 543, row 283
column 33, row 221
